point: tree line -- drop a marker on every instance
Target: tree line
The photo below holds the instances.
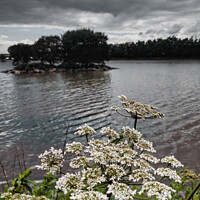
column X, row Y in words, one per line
column 77, row 48
column 84, row 47
column 170, row 47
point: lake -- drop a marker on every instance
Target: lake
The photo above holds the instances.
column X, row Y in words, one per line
column 37, row 110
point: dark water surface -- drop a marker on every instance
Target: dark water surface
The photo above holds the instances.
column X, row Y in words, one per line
column 36, row 109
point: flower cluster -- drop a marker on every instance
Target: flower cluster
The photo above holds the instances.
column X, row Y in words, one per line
column 155, row 188
column 167, row 172
column 75, row 147
column 92, row 176
column 70, row 183
column 121, row 191
column 140, row 174
column 172, row 161
column 89, row 195
column 109, row 132
column 132, row 134
column 138, row 109
column 51, row 160
column 145, row 145
column 10, row 196
column 79, row 161
column 114, row 172
column 85, row 130
column 110, row 169
column 149, row 158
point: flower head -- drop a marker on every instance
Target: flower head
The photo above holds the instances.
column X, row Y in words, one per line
column 75, row 147
column 140, row 174
column 85, row 130
column 172, row 174
column 145, row 145
column 172, row 161
column 79, row 161
column 51, row 160
column 132, row 134
column 89, row 195
column 121, row 191
column 70, row 183
column 92, row 176
column 109, row 132
column 114, row 172
column 160, row 190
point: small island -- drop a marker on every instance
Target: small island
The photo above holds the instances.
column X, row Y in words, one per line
column 76, row 50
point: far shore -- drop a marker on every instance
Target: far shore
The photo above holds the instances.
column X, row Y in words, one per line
column 55, row 70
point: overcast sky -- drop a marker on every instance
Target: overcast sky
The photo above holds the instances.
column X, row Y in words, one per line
column 122, row 20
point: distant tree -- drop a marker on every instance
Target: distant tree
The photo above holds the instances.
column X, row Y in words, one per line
column 2, row 57
column 21, row 53
column 85, row 47
column 48, row 49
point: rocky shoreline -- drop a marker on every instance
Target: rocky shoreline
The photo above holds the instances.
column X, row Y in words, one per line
column 55, row 70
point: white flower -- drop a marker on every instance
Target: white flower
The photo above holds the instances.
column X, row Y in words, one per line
column 109, row 132
column 70, row 183
column 132, row 134
column 122, row 97
column 75, row 147
column 16, row 196
column 140, row 174
column 85, row 130
column 92, row 176
column 150, row 158
column 51, row 160
column 114, row 172
column 79, row 162
column 172, row 174
column 143, row 164
column 115, row 107
column 172, row 161
column 160, row 190
column 121, row 191
column 89, row 195
column 145, row 145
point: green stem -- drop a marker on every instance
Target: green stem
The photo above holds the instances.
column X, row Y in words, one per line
column 161, row 178
column 194, row 191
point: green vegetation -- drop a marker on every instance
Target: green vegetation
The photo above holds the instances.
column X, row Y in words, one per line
column 119, row 166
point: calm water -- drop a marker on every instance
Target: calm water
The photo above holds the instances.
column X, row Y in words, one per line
column 37, row 109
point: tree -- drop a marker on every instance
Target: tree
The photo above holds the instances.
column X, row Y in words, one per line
column 48, row 49
column 2, row 57
column 21, row 53
column 85, row 47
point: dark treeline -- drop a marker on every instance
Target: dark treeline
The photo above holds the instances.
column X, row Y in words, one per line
column 74, row 49
column 171, row 47
column 86, row 48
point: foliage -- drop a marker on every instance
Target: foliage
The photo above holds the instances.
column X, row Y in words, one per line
column 170, row 47
column 48, row 49
column 21, row 53
column 85, row 46
column 119, row 166
column 2, row 57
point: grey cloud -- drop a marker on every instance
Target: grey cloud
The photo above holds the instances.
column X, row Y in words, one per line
column 45, row 11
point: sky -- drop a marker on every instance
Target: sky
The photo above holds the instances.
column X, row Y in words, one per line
column 24, row 21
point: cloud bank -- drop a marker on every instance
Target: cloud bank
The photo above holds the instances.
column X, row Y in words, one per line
column 127, row 20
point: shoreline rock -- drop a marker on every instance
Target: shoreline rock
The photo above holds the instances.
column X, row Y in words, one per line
column 55, row 70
